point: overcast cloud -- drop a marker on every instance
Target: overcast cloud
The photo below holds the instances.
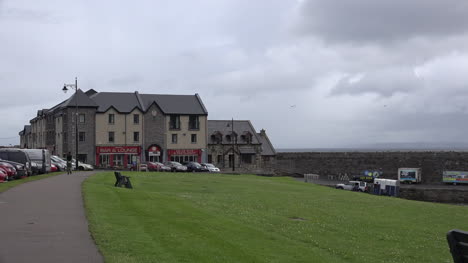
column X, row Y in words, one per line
column 313, row 73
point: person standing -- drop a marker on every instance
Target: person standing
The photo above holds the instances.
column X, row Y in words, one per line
column 69, row 163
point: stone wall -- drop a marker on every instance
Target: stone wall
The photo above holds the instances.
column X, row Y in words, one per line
column 452, row 195
column 354, row 163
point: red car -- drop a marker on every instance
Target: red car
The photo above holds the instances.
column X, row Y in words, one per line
column 53, row 168
column 9, row 169
column 155, row 166
column 3, row 176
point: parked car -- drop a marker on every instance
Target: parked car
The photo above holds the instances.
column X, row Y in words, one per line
column 16, row 155
column 3, row 176
column 211, row 167
column 82, row 166
column 358, row 186
column 176, row 167
column 20, row 169
column 59, row 165
column 196, row 167
column 157, row 166
column 9, row 169
column 53, row 168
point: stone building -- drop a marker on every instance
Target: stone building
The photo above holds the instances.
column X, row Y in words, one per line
column 118, row 129
column 236, row 145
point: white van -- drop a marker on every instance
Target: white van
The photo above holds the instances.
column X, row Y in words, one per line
column 37, row 156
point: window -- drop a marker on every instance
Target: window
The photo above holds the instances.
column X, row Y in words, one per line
column 136, row 118
column 210, row 158
column 81, row 136
column 174, row 138
column 246, row 158
column 220, row 158
column 194, row 123
column 81, row 118
column 174, row 123
column 111, row 137
column 83, row 158
column 136, row 136
column 111, row 119
column 194, row 138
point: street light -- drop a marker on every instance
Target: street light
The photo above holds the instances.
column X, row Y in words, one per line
column 232, row 140
column 65, row 89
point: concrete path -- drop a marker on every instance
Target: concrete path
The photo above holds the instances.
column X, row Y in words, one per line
column 44, row 221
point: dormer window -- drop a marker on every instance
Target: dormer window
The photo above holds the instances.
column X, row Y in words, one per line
column 216, row 137
column 247, row 137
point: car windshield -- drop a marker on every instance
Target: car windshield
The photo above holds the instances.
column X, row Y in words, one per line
column 209, row 165
column 176, row 163
column 18, row 157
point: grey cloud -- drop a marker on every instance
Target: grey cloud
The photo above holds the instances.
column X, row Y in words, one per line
column 382, row 21
column 385, row 82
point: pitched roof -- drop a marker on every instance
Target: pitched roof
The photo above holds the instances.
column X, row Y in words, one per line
column 126, row 102
column 80, row 99
column 123, row 102
column 267, row 147
column 225, row 128
column 176, row 104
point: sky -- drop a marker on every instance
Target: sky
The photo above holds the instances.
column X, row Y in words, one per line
column 312, row 73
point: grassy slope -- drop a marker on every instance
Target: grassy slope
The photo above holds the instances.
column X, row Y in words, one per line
column 228, row 218
column 10, row 184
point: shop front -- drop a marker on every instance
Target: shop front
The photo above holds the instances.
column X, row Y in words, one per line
column 185, row 155
column 154, row 153
column 117, row 156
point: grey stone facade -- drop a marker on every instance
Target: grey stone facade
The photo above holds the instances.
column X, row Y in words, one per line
column 230, row 140
column 154, row 127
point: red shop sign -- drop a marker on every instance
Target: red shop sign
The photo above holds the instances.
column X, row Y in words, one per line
column 183, row 152
column 154, row 149
column 118, row 149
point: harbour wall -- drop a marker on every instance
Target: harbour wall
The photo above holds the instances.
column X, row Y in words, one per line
column 347, row 164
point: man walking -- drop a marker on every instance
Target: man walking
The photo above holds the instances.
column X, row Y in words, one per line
column 69, row 163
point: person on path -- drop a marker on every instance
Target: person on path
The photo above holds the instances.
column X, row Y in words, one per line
column 69, row 163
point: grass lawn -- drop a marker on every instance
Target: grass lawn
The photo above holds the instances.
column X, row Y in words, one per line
column 10, row 184
column 243, row 218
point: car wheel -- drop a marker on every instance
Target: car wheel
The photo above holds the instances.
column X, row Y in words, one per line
column 339, row 187
column 81, row 168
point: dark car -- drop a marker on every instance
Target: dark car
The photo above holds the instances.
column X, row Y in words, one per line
column 196, row 167
column 176, row 167
column 16, row 155
column 9, row 169
column 20, row 169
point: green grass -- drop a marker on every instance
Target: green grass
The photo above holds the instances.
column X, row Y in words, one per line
column 242, row 218
column 11, row 184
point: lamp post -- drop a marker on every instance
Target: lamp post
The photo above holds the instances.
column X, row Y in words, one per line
column 233, row 150
column 65, row 89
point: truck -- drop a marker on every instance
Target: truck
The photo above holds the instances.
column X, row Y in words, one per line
column 455, row 177
column 358, row 186
column 409, row 175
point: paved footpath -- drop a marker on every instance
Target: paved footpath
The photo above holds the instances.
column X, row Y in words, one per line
column 44, row 221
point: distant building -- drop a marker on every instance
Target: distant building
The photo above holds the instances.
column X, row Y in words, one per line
column 118, row 129
column 236, row 143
